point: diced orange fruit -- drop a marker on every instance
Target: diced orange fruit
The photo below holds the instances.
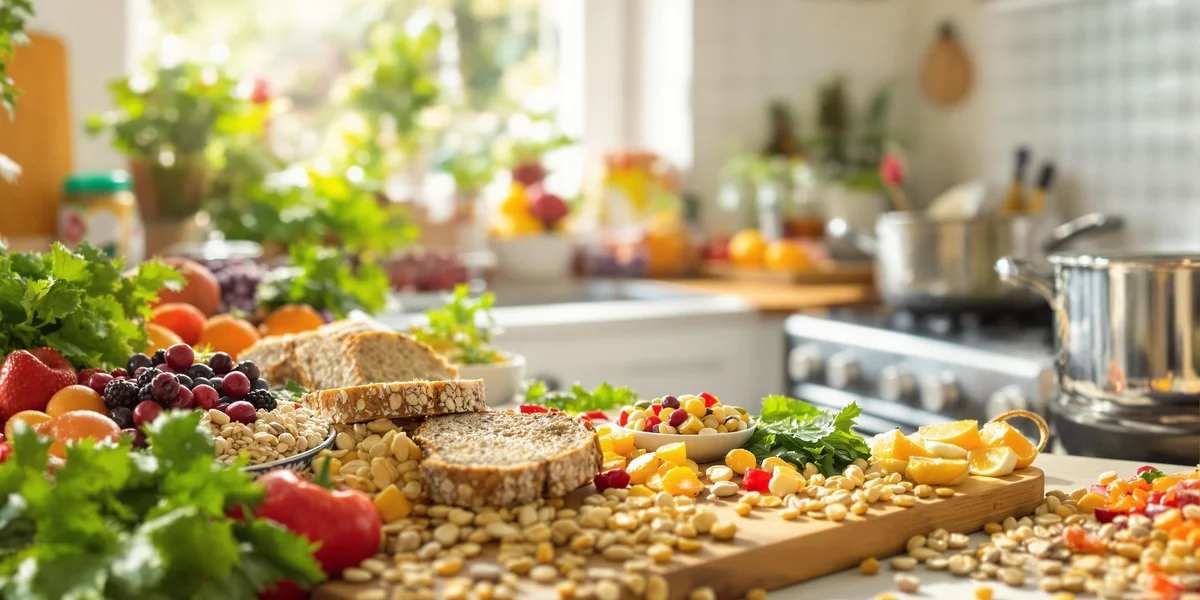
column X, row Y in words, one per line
column 622, row 442
column 675, row 453
column 739, row 460
column 894, row 444
column 682, row 481
column 606, row 443
column 769, row 463
column 392, row 505
column 999, row 434
column 964, row 434
column 641, row 468
column 665, row 466
column 640, row 490
column 617, row 463
column 603, row 430
column 655, row 482
column 992, row 462
column 936, row 471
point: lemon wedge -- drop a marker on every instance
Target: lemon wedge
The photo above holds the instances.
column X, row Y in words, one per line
column 893, row 444
column 964, row 434
column 1003, row 435
column 936, row 471
column 887, row 466
column 992, row 462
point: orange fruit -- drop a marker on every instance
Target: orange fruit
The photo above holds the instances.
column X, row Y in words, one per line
column 292, row 318
column 229, row 334
column 964, row 434
column 159, row 338
column 937, row 471
column 184, row 319
column 1003, row 435
column 34, row 418
column 992, row 462
column 787, row 255
column 75, row 397
column 747, row 248
column 78, row 425
column 894, row 444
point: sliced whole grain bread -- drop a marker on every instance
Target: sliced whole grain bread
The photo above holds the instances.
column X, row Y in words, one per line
column 506, row 459
column 397, row 400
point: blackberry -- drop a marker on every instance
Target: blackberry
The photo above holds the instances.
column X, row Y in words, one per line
column 146, row 392
column 261, row 399
column 159, row 358
column 121, row 392
column 147, row 376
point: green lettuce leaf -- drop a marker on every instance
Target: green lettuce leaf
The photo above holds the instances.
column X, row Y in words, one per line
column 801, row 433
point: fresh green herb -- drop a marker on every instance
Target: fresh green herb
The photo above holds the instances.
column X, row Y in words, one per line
column 1151, row 475
column 454, row 329
column 801, row 433
column 77, row 303
column 112, row 523
column 578, row 399
column 290, row 392
column 323, row 278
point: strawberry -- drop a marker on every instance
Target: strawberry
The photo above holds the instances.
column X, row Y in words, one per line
column 29, row 379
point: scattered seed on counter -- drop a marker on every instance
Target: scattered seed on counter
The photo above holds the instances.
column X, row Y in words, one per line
column 869, row 566
column 908, row 584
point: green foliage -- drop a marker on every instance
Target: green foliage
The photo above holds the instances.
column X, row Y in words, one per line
column 453, row 329
column 13, row 15
column 117, row 523
column 78, row 303
column 323, row 278
column 801, row 433
column 578, row 399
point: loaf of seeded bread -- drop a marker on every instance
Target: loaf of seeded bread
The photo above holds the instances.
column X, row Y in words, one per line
column 506, row 459
column 397, row 400
column 275, row 355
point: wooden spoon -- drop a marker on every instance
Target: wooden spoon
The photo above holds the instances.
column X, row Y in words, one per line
column 947, row 75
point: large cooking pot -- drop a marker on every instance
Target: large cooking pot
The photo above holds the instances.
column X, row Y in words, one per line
column 931, row 264
column 1127, row 327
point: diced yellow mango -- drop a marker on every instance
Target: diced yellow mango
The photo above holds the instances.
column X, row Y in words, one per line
column 675, row 453
column 640, row 490
column 392, row 504
column 622, row 442
column 641, row 468
column 682, row 481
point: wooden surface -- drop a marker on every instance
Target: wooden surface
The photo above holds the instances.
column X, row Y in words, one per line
column 947, row 74
column 769, row 296
column 844, row 272
column 772, row 553
column 38, row 139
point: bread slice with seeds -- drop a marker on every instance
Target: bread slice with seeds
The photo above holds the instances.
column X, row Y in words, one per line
column 397, row 400
column 339, row 361
column 506, row 459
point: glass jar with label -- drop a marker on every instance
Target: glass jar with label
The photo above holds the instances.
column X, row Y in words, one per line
column 100, row 208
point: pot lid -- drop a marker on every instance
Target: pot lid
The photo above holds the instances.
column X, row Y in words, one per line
column 1128, row 260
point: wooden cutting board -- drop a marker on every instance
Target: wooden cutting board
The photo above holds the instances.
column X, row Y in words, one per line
column 842, row 272
column 771, row 553
column 783, row 297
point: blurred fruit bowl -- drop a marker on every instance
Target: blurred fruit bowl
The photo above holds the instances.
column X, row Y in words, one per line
column 437, row 270
column 535, row 258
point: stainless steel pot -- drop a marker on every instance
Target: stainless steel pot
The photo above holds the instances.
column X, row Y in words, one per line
column 1127, row 329
column 932, row 264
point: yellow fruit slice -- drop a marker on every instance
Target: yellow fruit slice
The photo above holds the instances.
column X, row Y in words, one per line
column 998, row 435
column 964, row 434
column 894, row 444
column 674, row 453
column 944, row 450
column 682, row 481
column 622, row 442
column 936, row 471
column 888, row 466
column 992, row 462
column 641, row 468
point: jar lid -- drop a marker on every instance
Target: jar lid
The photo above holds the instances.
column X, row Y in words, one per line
column 97, row 182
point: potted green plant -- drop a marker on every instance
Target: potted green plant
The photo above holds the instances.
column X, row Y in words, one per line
column 461, row 330
column 166, row 122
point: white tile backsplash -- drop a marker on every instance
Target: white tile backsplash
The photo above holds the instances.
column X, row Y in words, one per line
column 1108, row 89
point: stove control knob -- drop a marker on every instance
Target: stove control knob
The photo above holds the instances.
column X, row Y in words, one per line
column 1007, row 398
column 804, row 362
column 843, row 371
column 939, row 393
column 896, row 384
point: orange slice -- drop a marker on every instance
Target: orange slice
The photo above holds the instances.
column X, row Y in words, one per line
column 936, row 471
column 1003, row 435
column 992, row 462
column 964, row 434
column 894, row 444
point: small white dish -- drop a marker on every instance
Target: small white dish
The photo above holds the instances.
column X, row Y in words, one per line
column 700, row 448
column 501, row 381
column 300, row 463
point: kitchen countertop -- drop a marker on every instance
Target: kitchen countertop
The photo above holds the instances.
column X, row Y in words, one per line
column 776, row 297
column 1062, row 472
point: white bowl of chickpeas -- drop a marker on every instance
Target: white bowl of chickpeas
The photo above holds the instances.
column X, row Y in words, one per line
column 707, row 427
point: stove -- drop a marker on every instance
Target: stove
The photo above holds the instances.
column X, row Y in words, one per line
column 909, row 369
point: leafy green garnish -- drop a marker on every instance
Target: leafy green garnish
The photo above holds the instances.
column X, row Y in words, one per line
column 113, row 523
column 1150, row 476
column 77, row 303
column 801, row 433
column 323, row 278
column 453, row 329
column 290, row 392
column 578, row 399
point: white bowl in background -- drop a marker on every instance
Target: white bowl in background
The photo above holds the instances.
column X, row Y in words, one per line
column 501, row 381
column 535, row 258
column 700, row 448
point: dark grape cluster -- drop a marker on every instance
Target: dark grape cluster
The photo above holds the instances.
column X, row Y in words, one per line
column 239, row 284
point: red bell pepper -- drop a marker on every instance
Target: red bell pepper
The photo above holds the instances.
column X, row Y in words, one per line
column 596, row 415
column 344, row 522
column 532, row 409
column 709, row 399
column 657, row 408
column 756, row 480
column 623, row 418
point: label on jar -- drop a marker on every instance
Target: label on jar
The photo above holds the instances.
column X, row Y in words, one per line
column 108, row 224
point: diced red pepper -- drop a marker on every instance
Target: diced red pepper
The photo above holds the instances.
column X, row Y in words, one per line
column 1099, row 489
column 596, row 415
column 657, row 408
column 756, row 480
column 532, row 409
column 651, row 421
column 623, row 418
column 1079, row 540
column 709, row 399
column 1144, row 469
column 1156, row 498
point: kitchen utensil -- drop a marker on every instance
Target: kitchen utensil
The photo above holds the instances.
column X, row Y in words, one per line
column 1087, row 427
column 963, row 201
column 765, row 551
column 38, row 138
column 946, row 76
column 1127, row 326
column 930, row 264
column 1037, row 202
column 1014, row 199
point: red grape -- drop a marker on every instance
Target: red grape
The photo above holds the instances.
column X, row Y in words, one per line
column 98, row 381
column 236, row 385
column 119, row 372
column 612, row 478
column 221, row 363
column 146, row 412
column 165, row 387
column 206, row 397
column 180, row 357
column 184, row 400
column 242, row 412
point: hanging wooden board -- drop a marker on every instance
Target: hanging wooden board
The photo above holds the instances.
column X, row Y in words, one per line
column 771, row 553
column 947, row 74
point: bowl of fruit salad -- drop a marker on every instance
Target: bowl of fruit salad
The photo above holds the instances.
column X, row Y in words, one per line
column 707, row 427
